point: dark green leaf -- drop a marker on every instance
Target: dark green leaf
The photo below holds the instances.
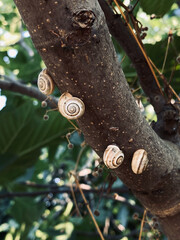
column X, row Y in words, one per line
column 26, row 210
column 158, row 7
column 23, row 134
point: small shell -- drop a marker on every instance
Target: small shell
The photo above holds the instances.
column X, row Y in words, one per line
column 139, row 161
column 70, row 107
column 113, row 156
column 45, row 83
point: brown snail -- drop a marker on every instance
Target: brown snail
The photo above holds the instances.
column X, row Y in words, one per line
column 139, row 161
column 45, row 83
column 70, row 107
column 113, row 156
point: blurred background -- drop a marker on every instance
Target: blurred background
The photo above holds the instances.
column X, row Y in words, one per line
column 39, row 198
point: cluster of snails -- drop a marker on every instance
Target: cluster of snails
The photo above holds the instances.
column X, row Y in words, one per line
column 73, row 108
column 113, row 158
column 70, row 107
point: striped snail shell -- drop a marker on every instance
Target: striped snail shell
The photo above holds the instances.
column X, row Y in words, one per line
column 139, row 161
column 113, row 156
column 70, row 107
column 45, row 83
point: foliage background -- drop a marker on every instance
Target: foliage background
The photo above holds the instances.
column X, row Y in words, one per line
column 35, row 160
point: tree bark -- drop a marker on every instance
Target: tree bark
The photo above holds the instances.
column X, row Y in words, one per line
column 74, row 41
column 132, row 49
column 33, row 92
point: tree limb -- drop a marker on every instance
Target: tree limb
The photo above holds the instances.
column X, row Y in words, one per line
column 168, row 129
column 30, row 91
column 120, row 32
column 123, row 189
column 65, row 189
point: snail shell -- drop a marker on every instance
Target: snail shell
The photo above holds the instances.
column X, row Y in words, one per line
column 45, row 83
column 70, row 107
column 139, row 161
column 113, row 156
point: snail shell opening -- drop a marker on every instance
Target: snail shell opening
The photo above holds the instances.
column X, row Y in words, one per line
column 113, row 156
column 71, row 107
column 139, row 161
column 45, row 83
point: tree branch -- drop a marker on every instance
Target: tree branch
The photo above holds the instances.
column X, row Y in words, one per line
column 30, row 91
column 168, row 129
column 53, row 188
column 123, row 189
column 120, row 32
column 65, row 189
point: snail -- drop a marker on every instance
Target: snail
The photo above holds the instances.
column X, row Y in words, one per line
column 70, row 107
column 113, row 156
column 139, row 161
column 45, row 83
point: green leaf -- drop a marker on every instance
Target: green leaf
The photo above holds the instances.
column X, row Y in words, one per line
column 159, row 50
column 26, row 210
column 158, row 7
column 6, row 160
column 23, row 134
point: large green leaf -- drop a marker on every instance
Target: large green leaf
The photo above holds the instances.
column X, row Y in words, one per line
column 26, row 210
column 159, row 7
column 28, row 66
column 23, row 134
column 159, row 49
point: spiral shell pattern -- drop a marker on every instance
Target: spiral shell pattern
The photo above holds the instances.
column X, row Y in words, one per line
column 70, row 107
column 139, row 161
column 113, row 156
column 45, row 83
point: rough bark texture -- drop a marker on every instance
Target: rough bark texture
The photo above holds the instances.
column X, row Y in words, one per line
column 73, row 39
column 121, row 33
column 168, row 123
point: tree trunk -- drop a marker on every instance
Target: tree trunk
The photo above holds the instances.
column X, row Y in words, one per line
column 74, row 42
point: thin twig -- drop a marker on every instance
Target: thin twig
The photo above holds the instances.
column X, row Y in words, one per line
column 76, row 128
column 79, row 157
column 172, row 73
column 89, row 209
column 134, row 6
column 140, row 46
column 142, row 224
column 122, row 59
column 31, row 91
column 74, row 171
column 166, row 53
column 52, row 189
column 74, row 199
column 164, row 79
column 38, row 185
column 135, row 90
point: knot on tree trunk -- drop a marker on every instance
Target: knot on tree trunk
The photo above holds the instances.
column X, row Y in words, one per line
column 82, row 24
column 83, row 19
